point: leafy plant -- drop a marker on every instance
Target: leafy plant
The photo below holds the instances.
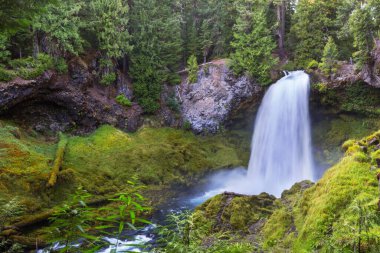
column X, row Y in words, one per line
column 61, row 65
column 72, row 222
column 123, row 212
column 123, row 100
column 29, row 68
column 8, row 210
column 108, row 79
column 6, row 75
column 313, row 64
column 182, row 235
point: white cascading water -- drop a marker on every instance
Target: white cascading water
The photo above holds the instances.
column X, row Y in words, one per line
column 281, row 144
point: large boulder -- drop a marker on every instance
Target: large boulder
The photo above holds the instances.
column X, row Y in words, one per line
column 216, row 96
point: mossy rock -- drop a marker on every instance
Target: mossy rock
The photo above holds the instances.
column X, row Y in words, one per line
column 234, row 212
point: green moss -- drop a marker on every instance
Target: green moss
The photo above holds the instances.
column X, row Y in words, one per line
column 233, row 213
column 25, row 165
column 276, row 228
column 347, row 144
column 157, row 155
column 103, row 161
column 323, row 205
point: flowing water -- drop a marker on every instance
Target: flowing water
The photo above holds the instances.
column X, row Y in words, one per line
column 281, row 144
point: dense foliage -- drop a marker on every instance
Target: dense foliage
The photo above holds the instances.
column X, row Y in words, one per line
column 152, row 40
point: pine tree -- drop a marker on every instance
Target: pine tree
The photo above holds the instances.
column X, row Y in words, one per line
column 361, row 25
column 109, row 20
column 313, row 22
column 253, row 42
column 330, row 55
column 61, row 25
column 155, row 28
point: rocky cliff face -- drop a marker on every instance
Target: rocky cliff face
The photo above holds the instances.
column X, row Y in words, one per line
column 73, row 102
column 216, row 96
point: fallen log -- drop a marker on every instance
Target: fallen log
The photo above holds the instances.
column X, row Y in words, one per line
column 35, row 219
column 58, row 160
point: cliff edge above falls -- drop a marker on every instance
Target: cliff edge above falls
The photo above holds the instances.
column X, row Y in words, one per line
column 210, row 102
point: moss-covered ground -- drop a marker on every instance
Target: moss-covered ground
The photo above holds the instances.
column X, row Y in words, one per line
column 103, row 161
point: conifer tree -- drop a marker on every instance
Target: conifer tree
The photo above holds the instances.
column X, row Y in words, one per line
column 313, row 22
column 155, row 28
column 61, row 26
column 253, row 42
column 330, row 55
column 109, row 19
column 361, row 25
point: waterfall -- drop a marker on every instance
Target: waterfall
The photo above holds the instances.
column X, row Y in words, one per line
column 281, row 144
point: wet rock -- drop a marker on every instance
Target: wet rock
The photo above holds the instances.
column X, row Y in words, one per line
column 211, row 101
column 79, row 71
column 373, row 141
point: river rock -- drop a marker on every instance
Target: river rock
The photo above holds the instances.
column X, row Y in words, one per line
column 216, row 96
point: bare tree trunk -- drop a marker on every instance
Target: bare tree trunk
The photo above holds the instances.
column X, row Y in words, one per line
column 281, row 28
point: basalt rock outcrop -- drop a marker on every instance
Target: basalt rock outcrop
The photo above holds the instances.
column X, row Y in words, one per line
column 73, row 102
column 216, row 96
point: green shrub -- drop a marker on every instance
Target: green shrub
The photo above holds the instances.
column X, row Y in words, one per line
column 4, row 53
column 123, row 100
column 174, row 79
column 28, row 62
column 320, row 87
column 313, row 64
column 173, row 104
column 61, row 65
column 193, row 67
column 108, row 79
column 186, row 125
column 29, row 68
column 149, row 104
column 6, row 75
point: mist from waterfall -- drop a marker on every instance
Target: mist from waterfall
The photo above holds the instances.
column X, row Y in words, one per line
column 281, row 152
